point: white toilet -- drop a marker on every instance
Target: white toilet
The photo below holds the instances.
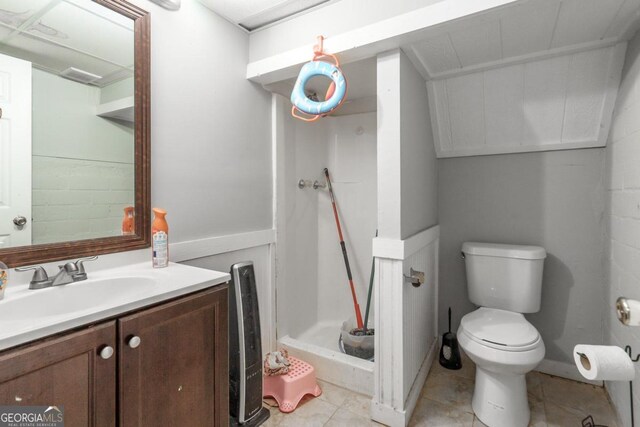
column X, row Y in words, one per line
column 505, row 281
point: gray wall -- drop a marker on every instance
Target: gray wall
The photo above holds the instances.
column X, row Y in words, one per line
column 623, row 219
column 419, row 165
column 210, row 127
column 407, row 164
column 554, row 200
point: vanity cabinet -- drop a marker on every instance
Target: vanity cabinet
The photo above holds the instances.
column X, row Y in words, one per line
column 65, row 371
column 174, row 365
column 164, row 365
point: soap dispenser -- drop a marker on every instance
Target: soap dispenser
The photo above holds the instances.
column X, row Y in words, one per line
column 4, row 278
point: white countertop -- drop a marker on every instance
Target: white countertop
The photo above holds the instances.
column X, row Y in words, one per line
column 26, row 315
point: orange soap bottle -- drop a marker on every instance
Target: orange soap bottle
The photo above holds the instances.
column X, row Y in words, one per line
column 160, row 239
column 128, row 222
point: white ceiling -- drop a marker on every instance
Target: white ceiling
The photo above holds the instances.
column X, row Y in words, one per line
column 57, row 34
column 526, row 29
column 253, row 14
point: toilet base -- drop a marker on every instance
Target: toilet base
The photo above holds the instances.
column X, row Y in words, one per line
column 500, row 400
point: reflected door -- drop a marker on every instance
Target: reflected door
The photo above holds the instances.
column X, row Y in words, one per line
column 15, row 152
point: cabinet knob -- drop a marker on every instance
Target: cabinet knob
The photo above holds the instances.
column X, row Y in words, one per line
column 134, row 341
column 106, row 352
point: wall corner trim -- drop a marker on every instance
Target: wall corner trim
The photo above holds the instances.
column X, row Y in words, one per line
column 192, row 249
column 401, row 249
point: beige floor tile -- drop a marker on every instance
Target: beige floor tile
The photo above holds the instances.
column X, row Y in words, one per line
column 344, row 418
column 359, row 404
column 468, row 369
column 450, row 390
column 538, row 416
column 429, row 413
column 269, row 402
column 534, row 385
column 478, row 423
column 275, row 417
column 577, row 398
column 333, row 394
column 311, row 412
column 563, row 416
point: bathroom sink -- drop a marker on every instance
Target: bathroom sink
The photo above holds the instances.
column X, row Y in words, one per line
column 26, row 314
column 73, row 298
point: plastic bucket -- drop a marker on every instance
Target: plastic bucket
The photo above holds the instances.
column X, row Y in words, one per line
column 361, row 346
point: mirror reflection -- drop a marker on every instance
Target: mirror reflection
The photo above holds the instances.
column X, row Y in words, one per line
column 67, row 123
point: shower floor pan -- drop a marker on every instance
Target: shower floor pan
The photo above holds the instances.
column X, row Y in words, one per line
column 318, row 346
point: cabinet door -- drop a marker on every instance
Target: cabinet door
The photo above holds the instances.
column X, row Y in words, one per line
column 174, row 363
column 65, row 371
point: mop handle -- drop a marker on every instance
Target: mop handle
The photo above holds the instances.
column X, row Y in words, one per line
column 344, row 253
column 366, row 310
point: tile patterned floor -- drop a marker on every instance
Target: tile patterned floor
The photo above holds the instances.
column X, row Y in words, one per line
column 446, row 401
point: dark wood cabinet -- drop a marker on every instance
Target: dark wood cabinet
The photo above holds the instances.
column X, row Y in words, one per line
column 65, row 371
column 175, row 373
column 169, row 367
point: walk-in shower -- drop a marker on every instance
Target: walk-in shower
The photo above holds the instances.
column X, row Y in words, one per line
column 313, row 296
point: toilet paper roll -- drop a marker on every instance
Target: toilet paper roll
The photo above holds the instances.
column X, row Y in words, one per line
column 603, row 362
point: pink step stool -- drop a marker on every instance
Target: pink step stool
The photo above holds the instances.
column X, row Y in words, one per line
column 290, row 388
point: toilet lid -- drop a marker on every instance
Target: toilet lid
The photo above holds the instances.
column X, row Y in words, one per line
column 499, row 328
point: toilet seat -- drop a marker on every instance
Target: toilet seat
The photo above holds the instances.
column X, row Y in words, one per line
column 500, row 330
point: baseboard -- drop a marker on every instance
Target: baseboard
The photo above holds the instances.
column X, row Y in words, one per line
column 393, row 417
column 564, row 370
column 387, row 415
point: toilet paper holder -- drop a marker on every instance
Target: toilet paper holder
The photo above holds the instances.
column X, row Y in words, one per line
column 629, row 351
column 416, row 278
column 627, row 348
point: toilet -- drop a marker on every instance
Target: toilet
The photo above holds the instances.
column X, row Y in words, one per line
column 505, row 281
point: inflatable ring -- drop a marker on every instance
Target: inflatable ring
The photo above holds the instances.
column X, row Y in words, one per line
column 319, row 68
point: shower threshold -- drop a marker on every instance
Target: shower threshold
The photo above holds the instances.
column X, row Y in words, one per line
column 318, row 346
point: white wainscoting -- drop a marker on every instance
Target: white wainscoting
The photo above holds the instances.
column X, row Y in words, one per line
column 556, row 103
column 406, row 342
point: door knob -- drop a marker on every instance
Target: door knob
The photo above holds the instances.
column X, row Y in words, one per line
column 20, row 221
column 106, row 352
column 134, row 342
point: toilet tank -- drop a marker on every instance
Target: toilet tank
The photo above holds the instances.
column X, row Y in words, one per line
column 507, row 277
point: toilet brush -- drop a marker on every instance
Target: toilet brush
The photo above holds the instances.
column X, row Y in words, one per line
column 450, row 351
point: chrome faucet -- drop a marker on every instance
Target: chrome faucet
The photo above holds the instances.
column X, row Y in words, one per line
column 69, row 273
column 65, row 275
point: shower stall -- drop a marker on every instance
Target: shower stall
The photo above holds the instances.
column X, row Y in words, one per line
column 380, row 154
column 313, row 295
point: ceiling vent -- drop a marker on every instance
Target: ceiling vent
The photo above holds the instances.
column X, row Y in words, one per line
column 255, row 14
column 79, row 76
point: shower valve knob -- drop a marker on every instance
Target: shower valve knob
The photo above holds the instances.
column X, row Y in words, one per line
column 316, row 185
column 304, row 183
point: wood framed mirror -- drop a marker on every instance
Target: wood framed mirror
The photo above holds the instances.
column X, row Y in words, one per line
column 84, row 137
